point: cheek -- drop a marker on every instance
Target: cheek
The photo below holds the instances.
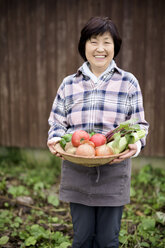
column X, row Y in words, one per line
column 87, row 50
column 113, row 51
column 88, row 54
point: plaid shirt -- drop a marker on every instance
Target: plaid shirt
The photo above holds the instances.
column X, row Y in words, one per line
column 82, row 104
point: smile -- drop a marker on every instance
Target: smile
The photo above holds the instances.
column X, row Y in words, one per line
column 100, row 56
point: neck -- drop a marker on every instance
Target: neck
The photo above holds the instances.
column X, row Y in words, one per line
column 97, row 71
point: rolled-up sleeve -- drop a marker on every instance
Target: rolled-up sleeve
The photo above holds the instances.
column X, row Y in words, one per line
column 136, row 109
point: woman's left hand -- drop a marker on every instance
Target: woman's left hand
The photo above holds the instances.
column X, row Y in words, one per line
column 130, row 153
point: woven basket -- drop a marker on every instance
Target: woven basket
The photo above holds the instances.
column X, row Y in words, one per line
column 87, row 161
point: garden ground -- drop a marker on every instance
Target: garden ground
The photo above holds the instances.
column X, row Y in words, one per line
column 32, row 216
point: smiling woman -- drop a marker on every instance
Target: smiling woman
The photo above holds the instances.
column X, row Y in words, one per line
column 97, row 98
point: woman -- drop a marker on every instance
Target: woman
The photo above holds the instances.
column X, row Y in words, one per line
column 97, row 98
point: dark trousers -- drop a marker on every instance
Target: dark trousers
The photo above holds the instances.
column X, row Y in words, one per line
column 95, row 227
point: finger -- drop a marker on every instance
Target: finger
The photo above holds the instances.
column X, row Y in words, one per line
column 132, row 146
column 128, row 155
column 52, row 150
column 116, row 160
column 58, row 155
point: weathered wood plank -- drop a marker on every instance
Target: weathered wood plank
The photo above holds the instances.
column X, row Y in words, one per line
column 13, row 73
column 61, row 40
column 5, row 122
column 20, row 19
column 151, row 60
column 32, row 89
column 41, row 72
column 51, row 57
column 157, row 65
column 73, row 35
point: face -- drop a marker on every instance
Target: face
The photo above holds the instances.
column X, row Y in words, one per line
column 99, row 51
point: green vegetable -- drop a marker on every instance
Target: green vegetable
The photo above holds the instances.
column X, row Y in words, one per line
column 134, row 137
column 126, row 133
column 123, row 128
column 63, row 143
column 119, row 143
column 67, row 137
column 91, row 134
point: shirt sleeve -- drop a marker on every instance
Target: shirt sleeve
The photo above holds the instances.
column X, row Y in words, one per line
column 57, row 119
column 136, row 109
column 139, row 145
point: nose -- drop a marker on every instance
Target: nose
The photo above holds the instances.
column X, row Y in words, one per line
column 100, row 48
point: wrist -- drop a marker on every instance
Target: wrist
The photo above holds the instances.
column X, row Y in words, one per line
column 138, row 144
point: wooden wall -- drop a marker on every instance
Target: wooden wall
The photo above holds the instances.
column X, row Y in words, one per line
column 38, row 48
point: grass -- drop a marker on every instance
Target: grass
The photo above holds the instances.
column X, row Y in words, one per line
column 32, row 216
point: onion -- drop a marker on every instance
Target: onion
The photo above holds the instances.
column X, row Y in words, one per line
column 103, row 150
column 88, row 142
column 85, row 150
column 71, row 150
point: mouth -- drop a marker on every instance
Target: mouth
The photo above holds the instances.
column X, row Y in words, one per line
column 100, row 56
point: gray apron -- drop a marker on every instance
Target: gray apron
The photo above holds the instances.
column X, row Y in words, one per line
column 106, row 185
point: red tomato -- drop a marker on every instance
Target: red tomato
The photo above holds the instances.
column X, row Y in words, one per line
column 78, row 136
column 98, row 139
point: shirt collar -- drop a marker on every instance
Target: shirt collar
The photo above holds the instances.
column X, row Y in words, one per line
column 85, row 70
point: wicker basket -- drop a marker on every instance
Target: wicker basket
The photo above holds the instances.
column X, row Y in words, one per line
column 87, row 161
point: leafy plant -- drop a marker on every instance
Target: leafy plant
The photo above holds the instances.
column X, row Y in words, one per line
column 46, row 222
column 53, row 199
column 144, row 220
column 4, row 240
column 18, row 191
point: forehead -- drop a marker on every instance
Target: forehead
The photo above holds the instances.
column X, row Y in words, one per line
column 105, row 36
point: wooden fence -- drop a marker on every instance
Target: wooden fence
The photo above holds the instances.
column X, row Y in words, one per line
column 38, row 48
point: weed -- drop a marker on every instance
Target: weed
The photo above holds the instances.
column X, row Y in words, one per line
column 46, row 223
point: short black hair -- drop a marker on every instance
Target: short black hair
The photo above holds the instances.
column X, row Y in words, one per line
column 97, row 26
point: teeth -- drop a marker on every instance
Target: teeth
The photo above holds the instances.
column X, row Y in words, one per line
column 100, row 56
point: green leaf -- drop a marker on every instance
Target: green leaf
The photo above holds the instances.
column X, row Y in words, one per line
column 18, row 191
column 23, row 235
column 30, row 241
column 3, row 185
column 161, row 199
column 4, row 240
column 64, row 245
column 132, row 192
column 135, row 127
column 144, row 244
column 38, row 186
column 115, row 143
column 123, row 236
column 18, row 219
column 147, row 224
column 67, row 137
column 123, row 240
column 160, row 217
column 63, row 143
column 91, row 134
column 127, row 123
column 38, row 231
column 53, row 199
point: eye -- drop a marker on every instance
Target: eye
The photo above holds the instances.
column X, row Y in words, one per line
column 93, row 42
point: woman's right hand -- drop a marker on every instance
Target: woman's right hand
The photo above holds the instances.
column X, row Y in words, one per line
column 51, row 146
